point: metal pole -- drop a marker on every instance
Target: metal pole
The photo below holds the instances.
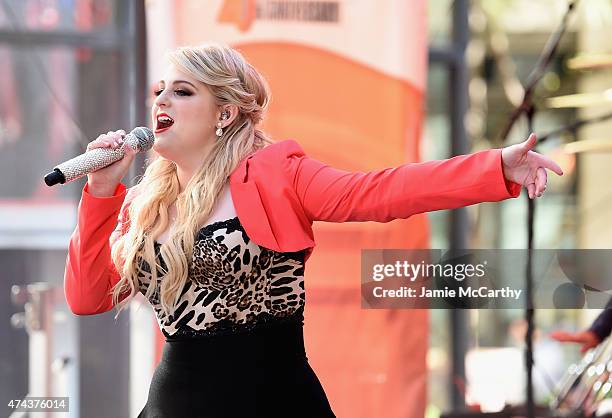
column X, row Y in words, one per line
column 138, row 88
column 38, row 300
column 529, row 311
column 134, row 74
column 459, row 222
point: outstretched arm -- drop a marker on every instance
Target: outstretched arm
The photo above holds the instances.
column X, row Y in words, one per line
column 333, row 195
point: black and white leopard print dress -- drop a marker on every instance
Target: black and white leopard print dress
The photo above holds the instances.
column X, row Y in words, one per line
column 234, row 346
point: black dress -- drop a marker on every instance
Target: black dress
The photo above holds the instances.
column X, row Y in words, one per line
column 234, row 346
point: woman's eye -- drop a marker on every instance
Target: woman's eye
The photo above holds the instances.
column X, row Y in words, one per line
column 179, row 92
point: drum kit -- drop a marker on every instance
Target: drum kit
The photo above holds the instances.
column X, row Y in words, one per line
column 586, row 388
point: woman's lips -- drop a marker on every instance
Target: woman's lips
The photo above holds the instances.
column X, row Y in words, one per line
column 160, row 130
column 163, row 121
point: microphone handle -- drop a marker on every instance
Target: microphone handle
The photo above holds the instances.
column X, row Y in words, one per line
column 83, row 164
column 89, row 162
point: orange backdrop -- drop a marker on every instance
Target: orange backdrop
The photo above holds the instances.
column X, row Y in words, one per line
column 344, row 75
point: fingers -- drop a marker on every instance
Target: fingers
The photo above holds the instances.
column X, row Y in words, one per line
column 558, row 335
column 540, row 181
column 530, row 142
column 127, row 148
column 112, row 139
column 542, row 160
column 531, row 190
column 587, row 346
column 548, row 163
column 563, row 336
column 587, row 339
column 540, row 164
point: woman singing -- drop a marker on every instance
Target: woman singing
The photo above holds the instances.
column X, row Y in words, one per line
column 225, row 215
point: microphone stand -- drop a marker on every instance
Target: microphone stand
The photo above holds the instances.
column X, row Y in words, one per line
column 572, row 127
column 529, row 310
column 526, row 107
column 550, row 49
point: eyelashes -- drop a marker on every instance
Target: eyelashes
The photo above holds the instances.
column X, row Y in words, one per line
column 179, row 92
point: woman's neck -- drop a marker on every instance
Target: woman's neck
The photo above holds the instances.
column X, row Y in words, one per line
column 187, row 168
column 184, row 175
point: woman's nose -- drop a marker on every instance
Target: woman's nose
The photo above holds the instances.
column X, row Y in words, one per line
column 161, row 100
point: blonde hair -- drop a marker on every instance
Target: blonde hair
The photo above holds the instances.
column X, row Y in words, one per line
column 231, row 80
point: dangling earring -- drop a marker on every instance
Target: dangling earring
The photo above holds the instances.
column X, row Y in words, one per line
column 219, row 131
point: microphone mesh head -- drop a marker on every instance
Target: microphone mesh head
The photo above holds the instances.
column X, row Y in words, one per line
column 141, row 139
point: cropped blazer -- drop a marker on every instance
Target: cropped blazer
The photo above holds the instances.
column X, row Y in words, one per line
column 278, row 192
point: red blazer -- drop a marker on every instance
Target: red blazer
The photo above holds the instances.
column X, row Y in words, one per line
column 278, row 193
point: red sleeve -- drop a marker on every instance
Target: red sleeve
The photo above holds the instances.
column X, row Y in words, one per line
column 90, row 274
column 329, row 194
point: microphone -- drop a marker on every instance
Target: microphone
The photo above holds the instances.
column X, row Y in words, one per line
column 141, row 139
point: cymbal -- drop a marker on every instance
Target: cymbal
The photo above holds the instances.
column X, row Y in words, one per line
column 590, row 62
column 580, row 99
column 588, row 145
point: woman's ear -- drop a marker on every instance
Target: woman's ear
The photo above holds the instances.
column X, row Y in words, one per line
column 228, row 114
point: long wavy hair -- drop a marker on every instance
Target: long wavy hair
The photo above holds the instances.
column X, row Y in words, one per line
column 231, row 80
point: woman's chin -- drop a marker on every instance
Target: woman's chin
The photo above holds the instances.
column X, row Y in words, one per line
column 160, row 147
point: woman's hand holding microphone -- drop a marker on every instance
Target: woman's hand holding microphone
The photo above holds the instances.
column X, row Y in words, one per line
column 103, row 182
